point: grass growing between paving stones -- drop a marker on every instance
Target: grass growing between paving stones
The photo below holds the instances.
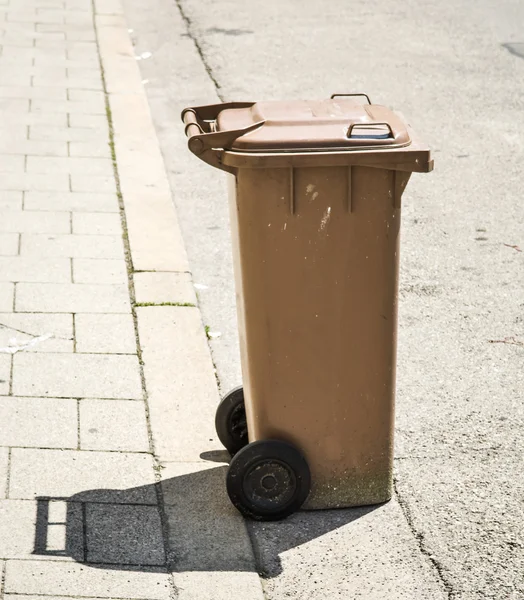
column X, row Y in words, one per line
column 157, row 467
column 142, row 304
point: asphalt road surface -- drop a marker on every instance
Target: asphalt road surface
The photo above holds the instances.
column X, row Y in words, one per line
column 456, row 526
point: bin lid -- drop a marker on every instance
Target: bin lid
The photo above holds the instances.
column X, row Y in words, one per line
column 338, row 124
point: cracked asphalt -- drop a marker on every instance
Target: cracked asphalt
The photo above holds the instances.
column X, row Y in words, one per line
column 455, row 527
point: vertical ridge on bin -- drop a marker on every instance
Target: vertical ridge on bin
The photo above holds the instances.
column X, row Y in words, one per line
column 400, row 180
column 349, row 206
column 292, row 190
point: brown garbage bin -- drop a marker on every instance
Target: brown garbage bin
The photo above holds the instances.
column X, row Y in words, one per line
column 315, row 202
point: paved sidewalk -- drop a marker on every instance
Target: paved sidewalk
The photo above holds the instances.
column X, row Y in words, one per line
column 103, row 492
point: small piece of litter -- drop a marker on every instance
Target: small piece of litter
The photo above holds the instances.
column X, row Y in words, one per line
column 200, row 286
column 214, row 334
column 14, row 347
column 145, row 55
column 144, row 81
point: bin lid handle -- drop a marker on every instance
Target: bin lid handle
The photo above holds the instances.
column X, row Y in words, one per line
column 351, row 95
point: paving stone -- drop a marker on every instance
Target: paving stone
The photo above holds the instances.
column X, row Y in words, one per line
column 39, row 422
column 113, row 425
column 154, row 236
column 57, row 120
column 93, row 183
column 217, row 585
column 77, row 375
column 75, row 53
column 108, row 7
column 124, row 535
column 4, row 460
column 100, row 149
column 32, row 147
column 110, row 334
column 87, row 120
column 60, row 61
column 159, row 287
column 61, row 134
column 97, row 223
column 93, row 72
column 10, row 163
column 21, row 328
column 99, row 270
column 111, row 21
column 14, row 105
column 58, row 182
column 73, row 246
column 85, row 108
column 60, row 578
column 89, row 96
column 22, row 221
column 83, row 83
column 71, row 201
column 72, row 297
column 34, row 269
column 11, row 200
column 20, row 78
column 26, row 532
column 180, row 380
column 47, row 15
column 114, row 477
column 7, row 294
column 5, row 373
column 8, row 243
column 16, row 131
column 84, row 166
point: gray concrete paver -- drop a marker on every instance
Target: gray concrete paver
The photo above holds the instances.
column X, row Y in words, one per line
column 34, row 269
column 71, row 245
column 4, row 463
column 180, row 381
column 111, row 334
column 39, row 422
column 21, row 328
column 71, row 375
column 71, row 297
column 124, row 535
column 113, row 477
column 158, row 288
column 9, row 243
column 97, row 223
column 23, row 534
column 21, row 221
column 7, row 293
column 54, row 579
column 92, row 183
column 113, row 425
column 84, row 166
column 99, row 271
column 71, row 201
column 11, row 200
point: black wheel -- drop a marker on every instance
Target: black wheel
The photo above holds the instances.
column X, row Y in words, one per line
column 268, row 480
column 230, row 421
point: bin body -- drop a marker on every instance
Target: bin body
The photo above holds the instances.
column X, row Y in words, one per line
column 317, row 282
column 316, row 256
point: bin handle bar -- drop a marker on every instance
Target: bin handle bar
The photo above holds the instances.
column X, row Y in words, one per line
column 368, row 125
column 350, row 96
column 204, row 140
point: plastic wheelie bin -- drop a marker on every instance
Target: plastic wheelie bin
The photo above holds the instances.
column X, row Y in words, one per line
column 315, row 201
